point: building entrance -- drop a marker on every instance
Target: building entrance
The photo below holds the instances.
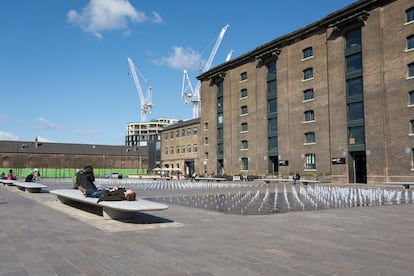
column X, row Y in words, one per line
column 358, row 167
column 189, row 168
column 273, row 165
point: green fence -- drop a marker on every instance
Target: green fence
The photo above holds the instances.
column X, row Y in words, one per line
column 21, row 173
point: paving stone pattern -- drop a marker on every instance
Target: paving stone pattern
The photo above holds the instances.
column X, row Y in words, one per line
column 41, row 236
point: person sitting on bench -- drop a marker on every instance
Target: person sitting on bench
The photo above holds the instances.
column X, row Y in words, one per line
column 85, row 182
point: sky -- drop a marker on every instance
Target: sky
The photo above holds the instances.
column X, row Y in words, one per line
column 64, row 74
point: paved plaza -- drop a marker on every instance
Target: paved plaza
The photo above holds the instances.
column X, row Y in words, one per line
column 41, row 236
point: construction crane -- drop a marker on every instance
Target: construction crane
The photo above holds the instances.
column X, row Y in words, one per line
column 193, row 95
column 146, row 104
column 229, row 55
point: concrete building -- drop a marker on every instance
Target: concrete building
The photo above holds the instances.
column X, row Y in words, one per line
column 333, row 98
column 147, row 134
column 180, row 143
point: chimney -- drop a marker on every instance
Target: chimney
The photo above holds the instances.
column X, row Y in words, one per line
column 36, row 142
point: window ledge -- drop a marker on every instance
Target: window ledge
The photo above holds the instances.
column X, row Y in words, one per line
column 307, row 79
column 307, row 58
column 244, row 149
column 307, row 144
column 411, row 134
column 409, row 50
column 307, row 122
column 244, row 131
column 310, row 170
column 310, row 100
column 243, row 98
column 241, row 115
column 410, row 77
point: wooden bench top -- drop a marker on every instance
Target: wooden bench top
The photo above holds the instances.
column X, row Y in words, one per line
column 111, row 209
column 32, row 187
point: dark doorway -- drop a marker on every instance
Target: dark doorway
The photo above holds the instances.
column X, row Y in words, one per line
column 220, row 167
column 189, row 168
column 358, row 167
column 273, row 165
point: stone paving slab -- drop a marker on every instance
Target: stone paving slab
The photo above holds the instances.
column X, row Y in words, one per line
column 39, row 236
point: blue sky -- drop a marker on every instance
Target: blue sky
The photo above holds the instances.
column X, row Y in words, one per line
column 64, row 74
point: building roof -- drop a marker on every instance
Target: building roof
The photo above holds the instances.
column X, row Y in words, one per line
column 330, row 20
column 183, row 124
column 67, row 148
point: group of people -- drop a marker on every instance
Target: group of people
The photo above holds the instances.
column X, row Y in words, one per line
column 9, row 176
column 32, row 177
column 85, row 183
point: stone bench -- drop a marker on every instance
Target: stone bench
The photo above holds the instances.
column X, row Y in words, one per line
column 400, row 183
column 215, row 179
column 303, row 181
column 110, row 209
column 8, row 182
column 269, row 180
column 307, row 181
column 31, row 187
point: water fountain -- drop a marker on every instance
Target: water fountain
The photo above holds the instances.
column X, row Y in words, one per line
column 263, row 199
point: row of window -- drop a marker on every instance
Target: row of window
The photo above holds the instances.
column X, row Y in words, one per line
column 410, row 46
column 310, row 162
column 354, row 87
column 183, row 133
column 190, row 148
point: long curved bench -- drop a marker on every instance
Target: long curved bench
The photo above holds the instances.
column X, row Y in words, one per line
column 8, row 182
column 110, row 209
column 31, row 187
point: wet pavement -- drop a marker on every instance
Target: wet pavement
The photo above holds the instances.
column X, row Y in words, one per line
column 41, row 236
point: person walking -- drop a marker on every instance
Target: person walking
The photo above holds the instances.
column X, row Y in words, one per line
column 296, row 177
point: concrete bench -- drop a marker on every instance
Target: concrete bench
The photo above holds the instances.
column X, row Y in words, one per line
column 8, row 182
column 110, row 209
column 303, row 181
column 31, row 187
column 216, row 179
column 269, row 180
column 307, row 181
column 400, row 183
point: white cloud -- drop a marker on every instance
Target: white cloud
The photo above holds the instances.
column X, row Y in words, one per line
column 43, row 139
column 182, row 59
column 157, row 18
column 8, row 136
column 45, row 124
column 107, row 15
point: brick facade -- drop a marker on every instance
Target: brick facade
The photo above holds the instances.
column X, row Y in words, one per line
column 385, row 155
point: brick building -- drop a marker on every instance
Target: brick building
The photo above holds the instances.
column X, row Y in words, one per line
column 180, row 143
column 34, row 154
column 334, row 98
